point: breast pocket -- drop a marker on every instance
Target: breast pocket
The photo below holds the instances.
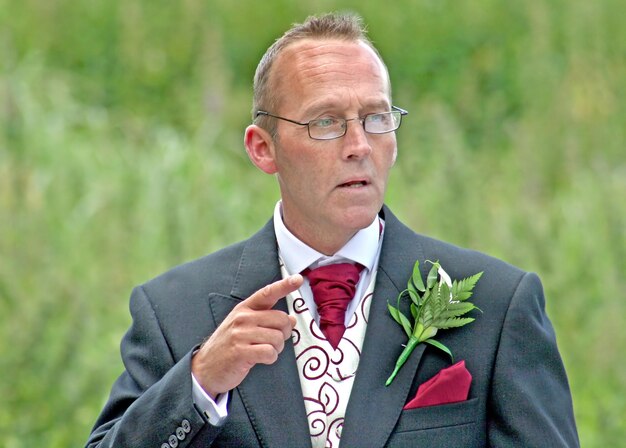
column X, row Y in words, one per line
column 439, row 426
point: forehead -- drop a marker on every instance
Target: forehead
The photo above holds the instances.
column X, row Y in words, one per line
column 312, row 69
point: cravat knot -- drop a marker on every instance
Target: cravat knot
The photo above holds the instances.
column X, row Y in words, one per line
column 333, row 288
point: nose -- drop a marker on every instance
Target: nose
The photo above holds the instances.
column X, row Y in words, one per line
column 356, row 143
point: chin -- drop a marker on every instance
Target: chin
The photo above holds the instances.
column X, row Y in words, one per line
column 360, row 218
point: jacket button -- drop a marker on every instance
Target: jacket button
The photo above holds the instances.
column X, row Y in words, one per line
column 165, row 445
column 180, row 433
column 173, row 441
column 186, row 426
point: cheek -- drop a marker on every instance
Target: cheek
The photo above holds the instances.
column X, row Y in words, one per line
column 394, row 151
column 388, row 152
column 297, row 175
column 391, row 154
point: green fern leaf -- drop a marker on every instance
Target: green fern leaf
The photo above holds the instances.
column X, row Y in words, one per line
column 467, row 284
column 457, row 309
column 455, row 322
column 461, row 296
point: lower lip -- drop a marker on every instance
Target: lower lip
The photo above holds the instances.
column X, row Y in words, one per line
column 354, row 187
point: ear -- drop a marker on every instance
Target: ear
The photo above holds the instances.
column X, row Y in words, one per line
column 260, row 148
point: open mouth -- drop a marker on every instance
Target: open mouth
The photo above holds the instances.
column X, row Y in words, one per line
column 354, row 184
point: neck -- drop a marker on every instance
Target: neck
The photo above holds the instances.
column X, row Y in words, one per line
column 325, row 243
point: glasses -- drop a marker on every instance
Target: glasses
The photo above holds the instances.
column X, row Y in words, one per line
column 331, row 128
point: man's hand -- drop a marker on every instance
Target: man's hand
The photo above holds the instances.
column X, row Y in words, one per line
column 253, row 333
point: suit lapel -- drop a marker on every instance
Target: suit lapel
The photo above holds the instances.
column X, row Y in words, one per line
column 271, row 394
column 374, row 409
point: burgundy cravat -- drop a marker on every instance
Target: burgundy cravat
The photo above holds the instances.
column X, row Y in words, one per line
column 333, row 288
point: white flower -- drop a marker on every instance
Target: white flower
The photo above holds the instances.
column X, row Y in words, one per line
column 444, row 277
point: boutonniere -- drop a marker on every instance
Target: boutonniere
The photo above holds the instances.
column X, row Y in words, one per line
column 436, row 306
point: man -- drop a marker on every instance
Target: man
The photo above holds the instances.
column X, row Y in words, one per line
column 235, row 349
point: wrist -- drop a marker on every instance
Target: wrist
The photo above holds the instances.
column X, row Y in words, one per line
column 196, row 373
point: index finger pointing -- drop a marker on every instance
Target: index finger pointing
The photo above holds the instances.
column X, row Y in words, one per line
column 266, row 297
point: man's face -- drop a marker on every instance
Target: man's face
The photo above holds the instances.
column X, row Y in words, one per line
column 331, row 189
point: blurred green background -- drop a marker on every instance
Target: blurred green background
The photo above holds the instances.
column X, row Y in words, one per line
column 121, row 155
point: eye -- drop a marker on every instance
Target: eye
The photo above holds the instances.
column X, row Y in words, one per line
column 381, row 118
column 323, row 123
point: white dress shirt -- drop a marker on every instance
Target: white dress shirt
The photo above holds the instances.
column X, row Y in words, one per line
column 363, row 248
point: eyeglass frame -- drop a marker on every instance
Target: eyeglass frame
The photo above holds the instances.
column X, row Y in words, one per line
column 345, row 122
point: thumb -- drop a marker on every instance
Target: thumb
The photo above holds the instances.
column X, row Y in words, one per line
column 266, row 297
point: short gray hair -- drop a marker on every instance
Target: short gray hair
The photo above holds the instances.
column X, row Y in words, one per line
column 341, row 26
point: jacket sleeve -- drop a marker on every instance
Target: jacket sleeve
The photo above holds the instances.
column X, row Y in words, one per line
column 151, row 403
column 530, row 401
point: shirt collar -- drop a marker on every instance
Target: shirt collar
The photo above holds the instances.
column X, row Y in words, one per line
column 297, row 256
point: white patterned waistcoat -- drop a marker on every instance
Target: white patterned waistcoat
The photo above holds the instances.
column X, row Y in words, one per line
column 327, row 374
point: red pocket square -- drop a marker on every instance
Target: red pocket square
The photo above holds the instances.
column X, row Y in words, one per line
column 450, row 385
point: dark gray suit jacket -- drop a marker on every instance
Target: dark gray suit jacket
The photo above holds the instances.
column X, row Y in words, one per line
column 519, row 395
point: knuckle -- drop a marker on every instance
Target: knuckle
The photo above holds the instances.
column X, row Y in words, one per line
column 271, row 355
column 236, row 334
column 266, row 354
column 240, row 319
column 278, row 341
column 237, row 319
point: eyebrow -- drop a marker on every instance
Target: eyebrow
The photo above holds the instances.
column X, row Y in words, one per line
column 333, row 105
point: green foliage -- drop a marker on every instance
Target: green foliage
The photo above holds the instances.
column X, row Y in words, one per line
column 120, row 156
column 438, row 307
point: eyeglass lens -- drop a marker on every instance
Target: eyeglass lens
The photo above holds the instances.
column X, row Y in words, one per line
column 329, row 128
